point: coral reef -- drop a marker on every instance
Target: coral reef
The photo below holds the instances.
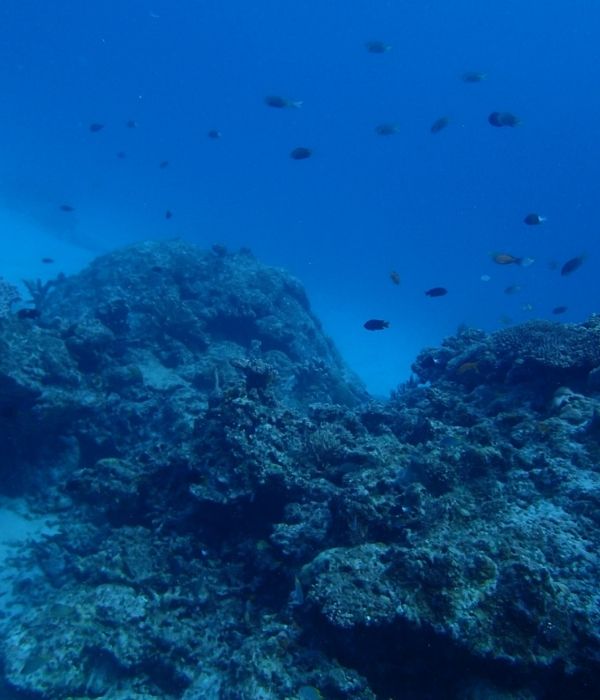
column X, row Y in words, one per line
column 237, row 518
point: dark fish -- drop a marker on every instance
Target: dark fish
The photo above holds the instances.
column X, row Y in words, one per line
column 439, row 124
column 376, row 324
column 395, row 277
column 131, row 124
column 534, row 219
column 377, row 47
column 503, row 119
column 572, row 265
column 473, row 77
column 67, row 208
column 281, row 102
column 47, row 261
column 300, row 153
column 28, row 313
column 168, row 214
column 121, row 155
column 436, row 292
column 557, row 310
column 163, row 164
column 95, row 127
column 156, row 268
column 512, row 289
column 214, row 134
column 387, row 129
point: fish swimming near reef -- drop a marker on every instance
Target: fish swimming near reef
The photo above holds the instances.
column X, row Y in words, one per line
column 395, row 277
column 279, row 102
column 28, row 313
column 96, row 127
column 436, row 292
column 377, row 47
column 512, row 289
column 376, row 324
column 387, row 129
column 472, row 76
column 300, row 153
column 557, row 310
column 571, row 265
column 534, row 219
column 439, row 124
column 67, row 208
column 508, row 259
column 503, row 119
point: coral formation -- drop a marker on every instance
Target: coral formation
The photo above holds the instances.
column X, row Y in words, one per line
column 239, row 519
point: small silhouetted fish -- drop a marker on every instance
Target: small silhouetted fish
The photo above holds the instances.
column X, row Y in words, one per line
column 387, row 129
column 376, row 324
column 28, row 313
column 121, row 155
column 66, row 208
column 131, row 124
column 214, row 134
column 156, row 268
column 163, row 164
column 506, row 259
column 395, row 277
column 534, row 219
column 439, row 124
column 472, row 76
column 572, row 265
column 377, row 47
column 512, row 289
column 47, row 261
column 95, row 127
column 557, row 310
column 281, row 102
column 168, row 214
column 436, row 292
column 300, row 153
column 503, row 119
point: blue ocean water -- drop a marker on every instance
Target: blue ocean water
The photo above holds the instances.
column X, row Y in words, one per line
column 433, row 207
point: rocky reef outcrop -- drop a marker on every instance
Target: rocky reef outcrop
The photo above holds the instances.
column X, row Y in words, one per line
column 239, row 519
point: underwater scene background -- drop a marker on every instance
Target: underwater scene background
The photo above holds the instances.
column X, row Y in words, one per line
column 432, row 207
column 299, row 353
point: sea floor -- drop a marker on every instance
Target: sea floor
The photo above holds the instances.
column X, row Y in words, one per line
column 18, row 525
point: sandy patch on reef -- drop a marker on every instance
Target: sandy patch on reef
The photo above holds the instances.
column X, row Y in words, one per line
column 17, row 527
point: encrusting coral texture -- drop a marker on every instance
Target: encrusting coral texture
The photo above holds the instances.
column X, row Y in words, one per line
column 239, row 519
